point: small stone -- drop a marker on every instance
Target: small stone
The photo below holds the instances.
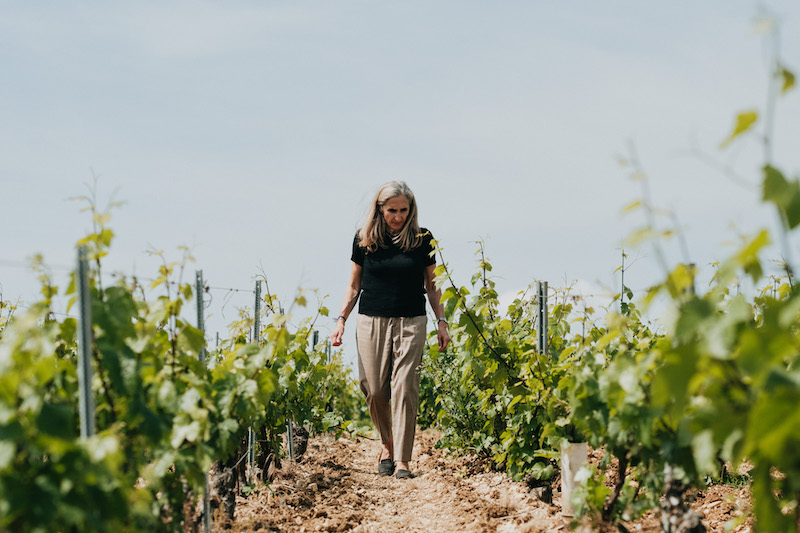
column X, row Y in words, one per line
column 544, row 494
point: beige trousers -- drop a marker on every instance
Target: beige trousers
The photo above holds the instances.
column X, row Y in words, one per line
column 389, row 354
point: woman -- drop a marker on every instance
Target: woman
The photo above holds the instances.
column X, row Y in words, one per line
column 391, row 270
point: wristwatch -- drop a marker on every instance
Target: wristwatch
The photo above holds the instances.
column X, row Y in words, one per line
column 442, row 319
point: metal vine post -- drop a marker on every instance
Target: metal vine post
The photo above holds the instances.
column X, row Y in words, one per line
column 86, row 398
column 201, row 325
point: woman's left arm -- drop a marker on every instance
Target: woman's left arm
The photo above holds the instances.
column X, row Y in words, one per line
column 435, row 299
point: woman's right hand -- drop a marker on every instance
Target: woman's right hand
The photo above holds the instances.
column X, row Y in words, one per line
column 350, row 297
column 338, row 332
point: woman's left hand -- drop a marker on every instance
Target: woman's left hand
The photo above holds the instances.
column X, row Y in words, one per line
column 444, row 336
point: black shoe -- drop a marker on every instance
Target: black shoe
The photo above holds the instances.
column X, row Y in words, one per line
column 403, row 474
column 386, row 467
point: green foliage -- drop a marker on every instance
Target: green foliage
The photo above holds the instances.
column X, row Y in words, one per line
column 732, row 374
column 7, row 310
column 162, row 415
column 47, row 476
column 720, row 383
column 784, row 194
column 488, row 390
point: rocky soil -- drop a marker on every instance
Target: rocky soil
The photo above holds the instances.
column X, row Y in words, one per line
column 335, row 487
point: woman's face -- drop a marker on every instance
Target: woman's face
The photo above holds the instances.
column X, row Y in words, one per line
column 395, row 211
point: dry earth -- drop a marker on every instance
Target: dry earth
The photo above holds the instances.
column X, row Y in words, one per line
column 335, row 487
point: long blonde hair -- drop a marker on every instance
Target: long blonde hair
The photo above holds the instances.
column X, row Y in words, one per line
column 374, row 232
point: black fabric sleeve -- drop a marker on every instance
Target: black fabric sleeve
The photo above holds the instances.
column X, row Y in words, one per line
column 357, row 256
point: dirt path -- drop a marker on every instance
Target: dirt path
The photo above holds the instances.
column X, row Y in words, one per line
column 335, row 487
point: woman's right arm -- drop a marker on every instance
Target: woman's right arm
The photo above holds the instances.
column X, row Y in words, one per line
column 350, row 298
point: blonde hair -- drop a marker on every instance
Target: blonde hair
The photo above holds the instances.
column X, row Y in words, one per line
column 373, row 233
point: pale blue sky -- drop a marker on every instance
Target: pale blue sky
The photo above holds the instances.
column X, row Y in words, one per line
column 257, row 132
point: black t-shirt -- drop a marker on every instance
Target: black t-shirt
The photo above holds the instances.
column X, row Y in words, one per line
column 393, row 281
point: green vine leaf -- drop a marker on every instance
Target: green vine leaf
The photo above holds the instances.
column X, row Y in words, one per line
column 788, row 79
column 744, row 121
column 784, row 194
